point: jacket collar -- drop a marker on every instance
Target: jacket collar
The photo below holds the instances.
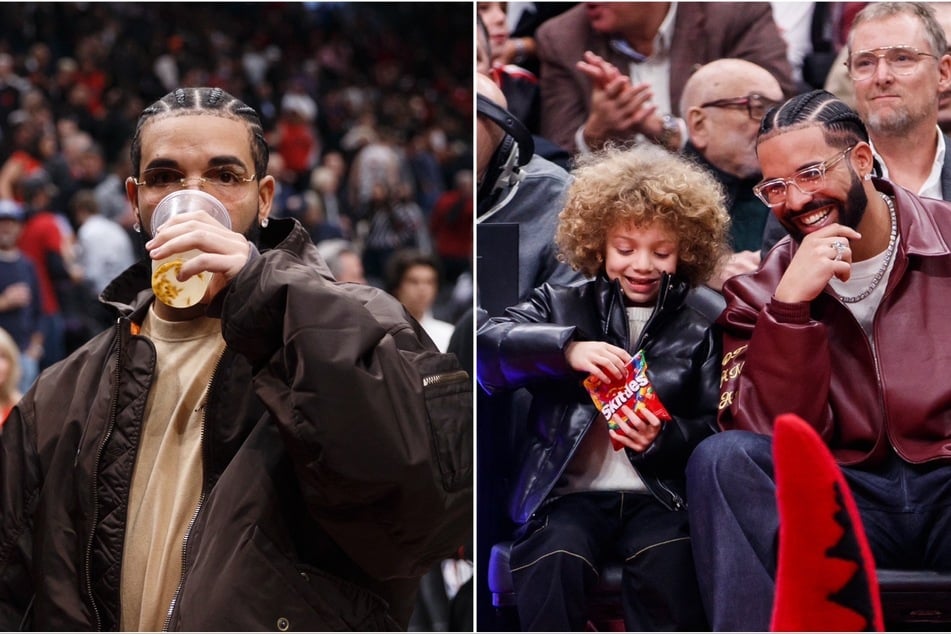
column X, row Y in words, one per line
column 919, row 231
column 673, row 291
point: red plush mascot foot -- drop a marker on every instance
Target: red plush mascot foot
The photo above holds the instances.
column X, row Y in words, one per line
column 826, row 579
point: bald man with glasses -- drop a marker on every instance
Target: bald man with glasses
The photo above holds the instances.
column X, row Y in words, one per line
column 722, row 104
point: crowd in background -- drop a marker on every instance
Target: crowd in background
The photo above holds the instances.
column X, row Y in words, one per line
column 367, row 108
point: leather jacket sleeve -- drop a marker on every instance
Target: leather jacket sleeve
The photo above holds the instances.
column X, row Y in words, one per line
column 327, row 365
column 522, row 348
column 775, row 360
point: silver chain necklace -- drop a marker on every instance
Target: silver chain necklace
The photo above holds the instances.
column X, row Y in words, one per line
column 889, row 252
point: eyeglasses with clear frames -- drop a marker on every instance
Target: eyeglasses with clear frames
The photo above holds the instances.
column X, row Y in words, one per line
column 223, row 182
column 901, row 60
column 755, row 104
column 808, row 180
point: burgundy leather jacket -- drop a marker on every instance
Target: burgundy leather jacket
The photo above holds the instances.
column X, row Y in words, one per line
column 813, row 358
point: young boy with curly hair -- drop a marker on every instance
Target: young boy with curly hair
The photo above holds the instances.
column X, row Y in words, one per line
column 648, row 227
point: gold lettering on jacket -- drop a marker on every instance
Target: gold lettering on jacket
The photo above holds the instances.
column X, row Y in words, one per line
column 726, row 399
column 731, row 371
column 729, row 356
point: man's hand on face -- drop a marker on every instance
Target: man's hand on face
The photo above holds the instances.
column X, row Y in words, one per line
column 821, row 255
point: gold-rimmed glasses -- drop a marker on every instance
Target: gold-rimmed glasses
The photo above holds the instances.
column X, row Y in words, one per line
column 901, row 60
column 223, row 182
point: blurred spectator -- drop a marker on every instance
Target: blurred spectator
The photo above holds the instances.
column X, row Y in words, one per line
column 313, row 216
column 19, row 295
column 942, row 11
column 425, row 167
column 295, row 138
column 25, row 158
column 655, row 46
column 12, row 87
column 524, row 18
column 794, row 21
column 451, row 228
column 285, row 188
column 111, row 199
column 390, row 217
column 46, row 241
column 413, row 278
column 519, row 85
column 325, row 181
column 543, row 147
column 343, row 259
column 104, row 250
column 10, row 392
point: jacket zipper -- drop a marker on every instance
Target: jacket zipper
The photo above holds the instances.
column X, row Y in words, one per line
column 445, row 377
column 201, row 500
column 674, row 501
column 870, row 345
column 113, row 413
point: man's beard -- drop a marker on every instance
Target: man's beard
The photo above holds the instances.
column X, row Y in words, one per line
column 851, row 211
column 892, row 124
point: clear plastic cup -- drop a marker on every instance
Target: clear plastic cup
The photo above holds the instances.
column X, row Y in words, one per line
column 165, row 284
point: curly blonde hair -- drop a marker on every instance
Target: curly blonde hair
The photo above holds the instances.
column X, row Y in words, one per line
column 639, row 186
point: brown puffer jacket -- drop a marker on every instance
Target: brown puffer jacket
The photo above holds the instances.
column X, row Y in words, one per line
column 322, row 502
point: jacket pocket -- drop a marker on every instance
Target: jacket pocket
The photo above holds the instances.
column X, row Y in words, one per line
column 447, row 391
column 311, row 599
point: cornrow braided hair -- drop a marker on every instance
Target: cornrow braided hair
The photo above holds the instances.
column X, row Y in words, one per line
column 204, row 100
column 841, row 126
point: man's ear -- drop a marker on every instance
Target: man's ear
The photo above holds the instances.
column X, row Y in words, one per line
column 266, row 189
column 697, row 128
column 132, row 193
column 863, row 159
column 944, row 73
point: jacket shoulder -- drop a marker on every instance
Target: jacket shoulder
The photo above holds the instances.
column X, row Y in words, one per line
column 706, row 301
column 572, row 24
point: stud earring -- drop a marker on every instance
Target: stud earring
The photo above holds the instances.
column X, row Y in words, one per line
column 264, row 222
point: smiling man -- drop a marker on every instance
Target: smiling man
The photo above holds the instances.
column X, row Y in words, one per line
column 898, row 66
column 843, row 325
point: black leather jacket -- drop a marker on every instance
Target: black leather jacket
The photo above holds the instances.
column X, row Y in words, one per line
column 525, row 348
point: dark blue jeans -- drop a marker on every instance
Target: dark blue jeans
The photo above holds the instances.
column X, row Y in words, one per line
column 557, row 555
column 905, row 510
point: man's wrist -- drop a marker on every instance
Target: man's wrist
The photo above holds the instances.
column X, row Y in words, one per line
column 672, row 133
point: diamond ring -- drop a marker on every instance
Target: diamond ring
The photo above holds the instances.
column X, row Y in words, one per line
column 839, row 247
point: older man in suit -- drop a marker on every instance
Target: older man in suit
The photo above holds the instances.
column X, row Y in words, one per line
column 656, row 45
